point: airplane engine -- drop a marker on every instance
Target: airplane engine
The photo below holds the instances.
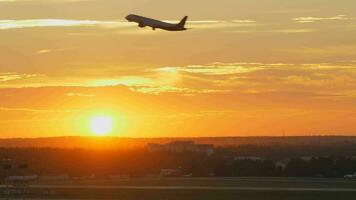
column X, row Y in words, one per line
column 141, row 25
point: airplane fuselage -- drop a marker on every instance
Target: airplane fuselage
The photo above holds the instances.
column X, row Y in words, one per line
column 156, row 24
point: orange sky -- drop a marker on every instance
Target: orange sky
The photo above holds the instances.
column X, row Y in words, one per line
column 245, row 68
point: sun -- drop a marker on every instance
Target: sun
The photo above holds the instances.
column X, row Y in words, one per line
column 101, row 125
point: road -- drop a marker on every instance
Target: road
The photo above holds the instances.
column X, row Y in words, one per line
column 213, row 184
column 295, row 189
column 197, row 188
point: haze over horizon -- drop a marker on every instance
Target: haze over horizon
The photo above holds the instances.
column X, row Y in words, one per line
column 246, row 68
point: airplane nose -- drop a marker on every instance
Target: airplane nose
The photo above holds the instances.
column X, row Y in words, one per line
column 128, row 18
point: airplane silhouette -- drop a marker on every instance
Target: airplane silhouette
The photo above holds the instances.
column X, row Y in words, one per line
column 144, row 21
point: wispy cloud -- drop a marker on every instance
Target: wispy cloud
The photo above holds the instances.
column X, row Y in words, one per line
column 289, row 11
column 214, row 69
column 291, row 31
column 80, row 95
column 35, row 110
column 213, row 24
column 168, row 79
column 280, row 31
column 318, row 19
column 176, row 90
column 4, row 77
column 342, row 50
column 44, row 51
column 219, row 77
column 33, row 23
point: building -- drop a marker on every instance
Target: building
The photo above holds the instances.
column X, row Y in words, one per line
column 253, row 158
column 182, row 146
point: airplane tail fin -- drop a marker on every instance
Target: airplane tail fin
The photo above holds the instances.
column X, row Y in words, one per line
column 182, row 22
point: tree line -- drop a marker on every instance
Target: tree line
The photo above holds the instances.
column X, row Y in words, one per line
column 225, row 162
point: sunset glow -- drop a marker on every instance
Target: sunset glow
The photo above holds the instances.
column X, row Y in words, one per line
column 101, row 125
column 264, row 69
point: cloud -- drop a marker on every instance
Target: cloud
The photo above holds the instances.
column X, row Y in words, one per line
column 34, row 23
column 336, row 50
column 289, row 11
column 217, row 24
column 35, row 110
column 281, row 31
column 44, row 51
column 111, row 24
column 214, row 69
column 168, row 79
column 8, row 77
column 258, row 78
column 176, row 90
column 48, row 51
column 80, row 95
column 4, row 77
column 240, row 77
column 318, row 19
column 291, row 31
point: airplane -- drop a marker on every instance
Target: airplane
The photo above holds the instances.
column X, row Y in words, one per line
column 144, row 21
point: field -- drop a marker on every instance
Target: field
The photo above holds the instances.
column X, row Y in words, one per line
column 197, row 189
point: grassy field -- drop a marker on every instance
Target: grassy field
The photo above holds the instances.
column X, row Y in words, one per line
column 100, row 189
column 199, row 195
column 219, row 182
column 194, row 195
